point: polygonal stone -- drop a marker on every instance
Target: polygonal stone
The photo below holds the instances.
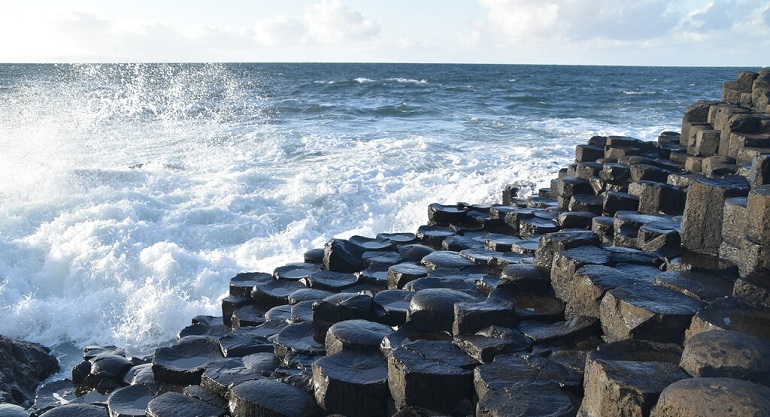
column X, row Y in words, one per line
column 184, row 363
column 434, row 308
column 433, row 375
column 563, row 333
column 758, row 211
column 274, row 293
column 492, row 341
column 339, row 307
column 130, row 401
column 220, row 376
column 536, row 226
column 727, row 354
column 658, row 197
column 754, row 289
column 329, row 280
column 566, row 264
column 731, row 314
column 270, row 398
column 390, row 306
column 552, row 243
column 525, row 279
column 625, row 388
column 713, row 397
column 698, row 285
column 242, row 343
column 79, row 410
column 704, row 209
column 174, row 404
column 295, row 271
column 351, row 335
column 352, row 383
column 400, row 274
column 589, row 285
column 299, row 338
column 527, row 400
column 470, row 317
column 619, row 201
column 648, row 312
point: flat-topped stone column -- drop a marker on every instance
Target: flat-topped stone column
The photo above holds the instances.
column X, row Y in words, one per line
column 704, row 209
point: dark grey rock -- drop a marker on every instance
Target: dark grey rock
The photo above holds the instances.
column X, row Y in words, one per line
column 329, row 280
column 525, row 279
column 727, row 354
column 130, row 401
column 340, row 307
column 704, row 209
column 698, row 285
column 13, row 410
column 446, row 259
column 201, row 329
column 552, row 243
column 298, row 338
column 567, row 332
column 295, row 271
column 432, row 236
column 390, row 306
column 274, row 293
column 243, row 284
column 184, row 363
column 400, row 274
column 470, row 317
column 242, row 343
column 342, row 256
column 409, row 333
column 174, row 404
column 713, row 397
column 246, row 316
column 731, row 314
column 433, row 375
column 589, row 285
column 352, row 383
column 754, row 289
column 527, row 400
column 492, row 341
column 302, row 311
column 615, row 201
column 567, row 263
column 220, row 376
column 25, row 366
column 758, row 211
column 508, row 370
column 434, row 307
column 358, row 335
column 261, row 363
column 80, row 410
column 647, row 312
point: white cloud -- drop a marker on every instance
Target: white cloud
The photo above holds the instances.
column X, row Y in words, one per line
column 281, row 30
column 579, row 20
column 331, row 21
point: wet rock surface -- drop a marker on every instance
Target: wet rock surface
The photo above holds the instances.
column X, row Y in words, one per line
column 637, row 284
column 25, row 366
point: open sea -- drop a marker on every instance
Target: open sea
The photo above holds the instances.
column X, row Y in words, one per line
column 131, row 193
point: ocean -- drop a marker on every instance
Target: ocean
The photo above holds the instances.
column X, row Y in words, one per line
column 131, row 193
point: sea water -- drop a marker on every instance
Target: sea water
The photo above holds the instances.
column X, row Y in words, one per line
column 130, row 194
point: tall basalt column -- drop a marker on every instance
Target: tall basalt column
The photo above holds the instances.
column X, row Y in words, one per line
column 704, row 210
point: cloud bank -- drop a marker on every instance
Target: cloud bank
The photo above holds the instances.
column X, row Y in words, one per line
column 680, row 32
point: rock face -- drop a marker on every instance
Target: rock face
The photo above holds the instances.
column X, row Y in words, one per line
column 638, row 284
column 25, row 366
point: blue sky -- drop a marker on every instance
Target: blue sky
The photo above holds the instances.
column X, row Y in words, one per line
column 608, row 32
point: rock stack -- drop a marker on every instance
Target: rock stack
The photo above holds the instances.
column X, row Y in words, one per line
column 638, row 284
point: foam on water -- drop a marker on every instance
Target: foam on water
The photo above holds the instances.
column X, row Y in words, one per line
column 133, row 193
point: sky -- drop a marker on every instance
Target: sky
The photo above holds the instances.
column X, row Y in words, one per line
column 584, row 32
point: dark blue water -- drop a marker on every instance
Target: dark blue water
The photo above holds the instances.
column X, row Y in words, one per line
column 132, row 193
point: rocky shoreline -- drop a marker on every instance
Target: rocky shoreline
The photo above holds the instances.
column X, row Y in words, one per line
column 638, row 284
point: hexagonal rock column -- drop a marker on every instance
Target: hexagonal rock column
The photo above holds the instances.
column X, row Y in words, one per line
column 527, row 400
column 727, row 354
column 434, row 308
column 270, row 398
column 552, row 243
column 701, row 229
column 352, row 383
column 184, row 363
column 626, row 378
column 731, row 314
column 758, row 210
column 80, row 410
column 470, row 317
column 647, row 312
column 588, row 287
column 724, row 397
column 130, row 401
column 433, row 375
column 174, row 404
column 358, row 335
column 567, row 263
